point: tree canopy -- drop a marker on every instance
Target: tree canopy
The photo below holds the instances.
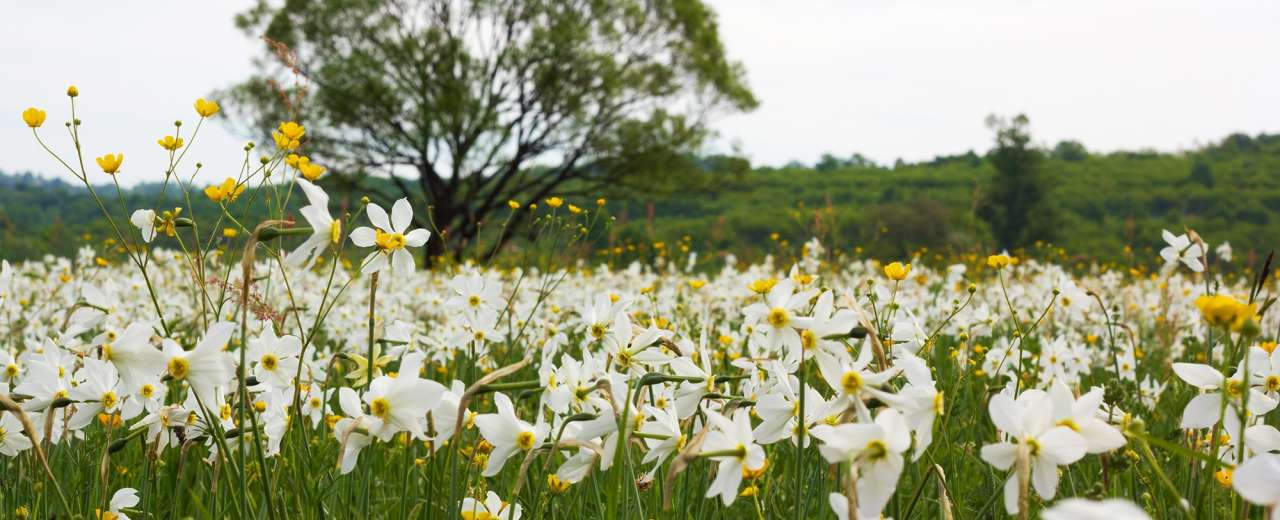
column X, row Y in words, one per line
column 466, row 104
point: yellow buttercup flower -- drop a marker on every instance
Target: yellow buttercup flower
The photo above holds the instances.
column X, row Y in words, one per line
column 206, row 108
column 228, row 191
column 33, row 117
column 293, row 159
column 1225, row 311
column 310, row 170
column 288, row 135
column 555, row 202
column 72, row 91
column 897, row 271
column 170, row 143
column 513, row 204
column 110, row 163
column 556, row 485
column 574, row 209
column 999, row 261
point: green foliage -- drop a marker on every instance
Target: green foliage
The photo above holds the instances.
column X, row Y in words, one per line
column 1105, row 202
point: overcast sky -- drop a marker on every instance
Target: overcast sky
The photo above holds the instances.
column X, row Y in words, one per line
column 892, row 78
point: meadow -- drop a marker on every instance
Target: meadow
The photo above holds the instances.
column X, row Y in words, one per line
column 307, row 365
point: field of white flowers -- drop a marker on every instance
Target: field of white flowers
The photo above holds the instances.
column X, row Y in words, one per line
column 307, row 367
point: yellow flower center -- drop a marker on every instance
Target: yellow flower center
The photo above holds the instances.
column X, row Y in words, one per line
column 597, row 330
column 808, row 339
column 1069, row 423
column 315, row 402
column 179, row 367
column 1033, row 446
column 109, row 400
column 779, row 317
column 525, row 440
column 1273, row 383
column 1234, row 387
column 851, row 382
column 473, row 301
column 388, row 241
column 147, row 391
column 11, row 370
column 875, row 450
column 270, row 361
column 380, row 407
column 335, row 231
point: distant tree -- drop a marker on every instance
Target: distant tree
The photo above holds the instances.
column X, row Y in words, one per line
column 1069, row 150
column 1017, row 207
column 857, row 160
column 456, row 101
column 1201, row 173
column 828, row 163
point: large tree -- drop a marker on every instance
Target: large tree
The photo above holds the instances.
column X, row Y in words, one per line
column 1018, row 206
column 466, row 104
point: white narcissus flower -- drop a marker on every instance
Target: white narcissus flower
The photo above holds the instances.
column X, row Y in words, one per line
column 853, row 380
column 661, row 424
column 97, row 392
column 400, row 404
column 350, row 430
column 735, row 449
column 1081, row 509
column 391, row 237
column 474, row 292
column 493, row 508
column 1258, row 481
column 507, row 433
column 13, row 439
column 922, row 403
column 206, row 367
column 9, row 368
column 824, row 324
column 874, row 450
column 1224, row 251
column 690, row 393
column 137, row 360
column 1182, row 249
column 315, row 403
column 1203, row 410
column 1081, row 415
column 274, row 358
column 145, row 221
column 445, row 414
column 633, row 351
column 775, row 318
column 325, row 230
column 123, row 498
column 1028, row 424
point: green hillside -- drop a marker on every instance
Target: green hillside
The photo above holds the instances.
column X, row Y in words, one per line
column 1227, row 191
column 1102, row 202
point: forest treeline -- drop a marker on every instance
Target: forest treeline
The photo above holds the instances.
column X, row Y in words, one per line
column 1108, row 206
